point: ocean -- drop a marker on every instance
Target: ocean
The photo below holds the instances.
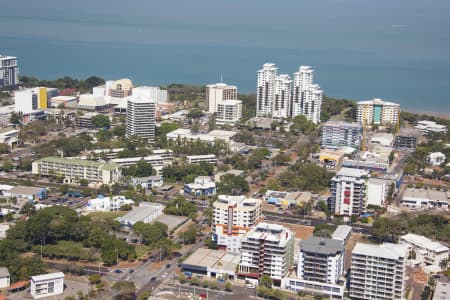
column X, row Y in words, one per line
column 360, row 49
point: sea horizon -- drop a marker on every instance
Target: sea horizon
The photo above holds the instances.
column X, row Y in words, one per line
column 359, row 50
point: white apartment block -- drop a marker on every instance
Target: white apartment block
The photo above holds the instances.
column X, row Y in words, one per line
column 427, row 252
column 306, row 96
column 76, row 169
column 349, row 192
column 426, row 127
column 229, row 112
column 233, row 217
column 320, row 267
column 267, row 249
column 47, row 285
column 378, row 112
column 5, row 279
column 141, row 117
column 219, row 92
column 9, row 71
column 338, row 134
column 282, row 97
column 378, row 271
column 265, row 89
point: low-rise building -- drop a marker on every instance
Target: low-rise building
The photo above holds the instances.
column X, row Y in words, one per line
column 425, row 198
column 9, row 136
column 149, row 182
column 92, row 102
column 157, row 162
column 378, row 271
column 320, row 268
column 5, row 280
column 196, row 159
column 218, row 176
column 267, row 249
column 212, row 263
column 406, row 139
column 202, row 186
column 85, row 120
column 342, row 233
column 233, row 217
column 442, row 289
column 27, row 193
column 102, row 203
column 436, row 158
column 331, row 159
column 63, row 101
column 75, row 169
column 424, row 250
column 147, row 212
column 47, row 285
column 426, row 127
column 210, row 137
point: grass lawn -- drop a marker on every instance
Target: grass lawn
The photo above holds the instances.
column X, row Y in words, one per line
column 141, row 250
column 107, row 214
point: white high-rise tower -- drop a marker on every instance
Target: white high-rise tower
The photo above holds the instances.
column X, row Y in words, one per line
column 141, row 116
column 306, row 96
column 266, row 89
column 282, row 97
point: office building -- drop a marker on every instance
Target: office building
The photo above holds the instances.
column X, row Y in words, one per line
column 219, row 92
column 233, row 217
column 9, row 72
column 266, row 90
column 282, row 97
column 141, row 117
column 425, row 251
column 86, row 120
column 406, row 139
column 151, row 92
column 202, row 186
column 267, row 249
column 92, row 102
column 306, row 96
column 378, row 271
column 320, row 267
column 338, row 134
column 76, row 169
column 33, row 99
column 378, row 112
column 229, row 112
column 47, row 285
column 349, row 192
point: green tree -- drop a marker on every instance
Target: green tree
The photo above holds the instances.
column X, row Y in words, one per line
column 266, row 281
column 302, row 125
column 101, row 121
column 231, row 184
column 16, row 118
column 119, row 131
column 7, row 165
column 124, row 290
